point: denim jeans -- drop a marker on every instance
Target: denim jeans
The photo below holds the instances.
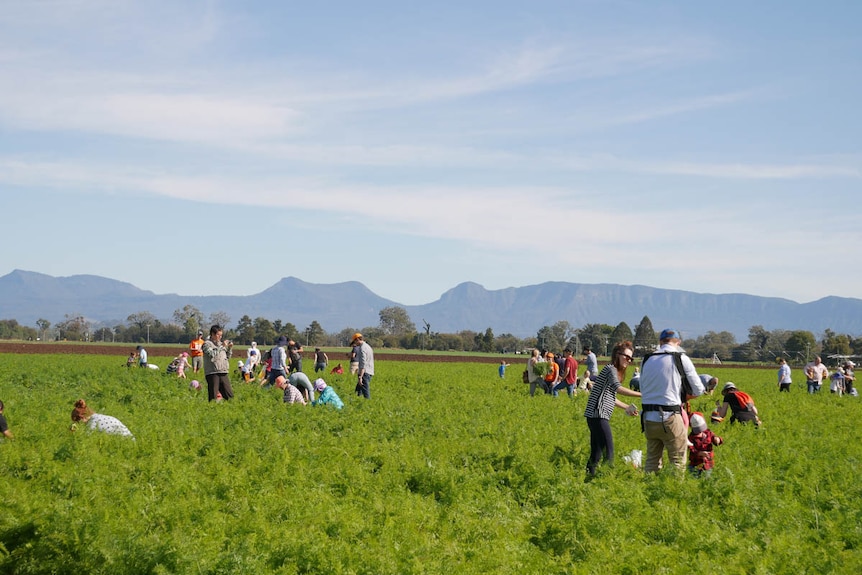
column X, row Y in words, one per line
column 569, row 387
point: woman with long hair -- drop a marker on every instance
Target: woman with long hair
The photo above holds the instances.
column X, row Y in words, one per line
column 601, row 403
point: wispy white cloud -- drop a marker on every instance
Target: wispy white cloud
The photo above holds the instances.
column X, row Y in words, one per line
column 679, row 107
column 754, row 171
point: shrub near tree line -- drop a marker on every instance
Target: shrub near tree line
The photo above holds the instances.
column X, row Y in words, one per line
column 446, row 469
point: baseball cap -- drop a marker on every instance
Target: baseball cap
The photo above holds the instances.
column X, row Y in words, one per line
column 669, row 334
column 319, row 385
column 356, row 336
column 728, row 386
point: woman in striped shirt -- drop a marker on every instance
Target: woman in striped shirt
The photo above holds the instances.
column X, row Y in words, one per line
column 601, row 403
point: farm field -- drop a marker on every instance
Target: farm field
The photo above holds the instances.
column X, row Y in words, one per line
column 447, row 469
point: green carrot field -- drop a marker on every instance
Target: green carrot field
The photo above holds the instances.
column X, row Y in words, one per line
column 447, row 469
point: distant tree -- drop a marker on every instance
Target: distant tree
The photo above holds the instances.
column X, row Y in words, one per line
column 800, row 344
column 554, row 337
column 835, row 344
column 448, row 342
column 373, row 336
column 547, row 339
column 43, row 325
column 168, row 333
column 264, row 331
column 394, row 320
column 710, row 343
column 245, row 333
column 190, row 318
column 73, row 328
column 645, row 337
column 507, row 343
column 103, row 334
column 219, row 317
column 11, row 329
column 487, row 341
column 343, row 337
column 289, row 330
column 775, row 345
column 315, row 334
column 142, row 319
column 621, row 333
column 757, row 339
column 468, row 340
column 597, row 336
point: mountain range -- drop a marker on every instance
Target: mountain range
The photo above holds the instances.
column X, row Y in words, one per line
column 28, row 296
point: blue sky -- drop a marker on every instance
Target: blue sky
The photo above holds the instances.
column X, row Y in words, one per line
column 212, row 148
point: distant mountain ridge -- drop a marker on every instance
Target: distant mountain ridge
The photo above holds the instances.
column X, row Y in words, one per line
column 28, row 296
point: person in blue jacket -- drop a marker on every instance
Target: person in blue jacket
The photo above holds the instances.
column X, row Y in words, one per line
column 327, row 395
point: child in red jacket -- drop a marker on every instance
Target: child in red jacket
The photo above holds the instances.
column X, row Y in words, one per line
column 701, row 442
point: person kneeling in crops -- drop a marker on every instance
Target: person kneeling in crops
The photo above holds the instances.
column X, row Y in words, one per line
column 327, row 395
column 291, row 394
column 740, row 404
column 96, row 421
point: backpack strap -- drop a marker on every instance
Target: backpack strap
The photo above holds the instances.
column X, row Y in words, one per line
column 686, row 388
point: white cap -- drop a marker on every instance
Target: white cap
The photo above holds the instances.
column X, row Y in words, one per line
column 698, row 423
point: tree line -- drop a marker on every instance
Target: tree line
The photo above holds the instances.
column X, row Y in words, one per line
column 397, row 330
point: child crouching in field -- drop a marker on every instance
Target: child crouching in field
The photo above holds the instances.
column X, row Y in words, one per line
column 327, row 395
column 700, row 445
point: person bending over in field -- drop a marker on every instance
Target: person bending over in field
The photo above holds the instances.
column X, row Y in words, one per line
column 291, row 394
column 327, row 395
column 740, row 404
column 96, row 421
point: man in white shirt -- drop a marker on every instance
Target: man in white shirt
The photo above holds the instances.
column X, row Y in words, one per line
column 664, row 424
column 815, row 373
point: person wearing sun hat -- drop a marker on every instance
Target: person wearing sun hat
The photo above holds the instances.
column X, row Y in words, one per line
column 365, row 359
column 291, row 393
column 327, row 395
column 664, row 422
column 740, row 404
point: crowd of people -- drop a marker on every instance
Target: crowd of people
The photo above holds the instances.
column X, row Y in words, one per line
column 665, row 383
column 279, row 367
column 553, row 373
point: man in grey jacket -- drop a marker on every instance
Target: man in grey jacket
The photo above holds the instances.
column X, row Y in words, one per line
column 217, row 364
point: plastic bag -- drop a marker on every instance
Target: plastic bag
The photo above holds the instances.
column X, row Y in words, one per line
column 635, row 458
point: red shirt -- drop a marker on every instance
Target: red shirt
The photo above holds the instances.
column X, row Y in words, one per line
column 571, row 370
